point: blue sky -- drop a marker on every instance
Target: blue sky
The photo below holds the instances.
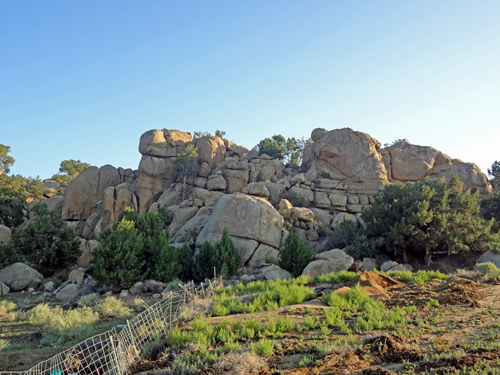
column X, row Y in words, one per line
column 84, row 79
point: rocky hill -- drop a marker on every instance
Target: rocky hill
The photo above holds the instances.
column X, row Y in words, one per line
column 237, row 189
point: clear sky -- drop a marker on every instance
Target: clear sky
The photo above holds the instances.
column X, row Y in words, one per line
column 84, row 79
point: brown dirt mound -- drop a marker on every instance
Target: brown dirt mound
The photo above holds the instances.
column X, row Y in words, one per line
column 455, row 291
column 375, row 283
column 395, row 349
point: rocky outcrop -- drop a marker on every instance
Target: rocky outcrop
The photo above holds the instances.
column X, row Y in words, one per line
column 408, row 162
column 345, row 154
column 19, row 276
column 247, row 219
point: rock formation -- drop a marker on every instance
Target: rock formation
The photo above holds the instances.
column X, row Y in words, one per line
column 238, row 190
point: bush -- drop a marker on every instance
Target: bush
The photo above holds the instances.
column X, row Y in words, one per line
column 48, row 241
column 112, row 306
column 136, row 248
column 489, row 269
column 352, row 239
column 428, row 217
column 186, row 262
column 223, row 257
column 294, row 255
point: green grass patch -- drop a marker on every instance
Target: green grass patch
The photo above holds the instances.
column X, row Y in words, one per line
column 335, row 278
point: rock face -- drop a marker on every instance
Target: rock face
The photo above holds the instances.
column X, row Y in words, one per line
column 4, row 289
column 5, row 234
column 343, row 154
column 232, row 188
column 275, row 272
column 245, row 218
column 489, row 257
column 68, row 292
column 409, row 162
column 19, row 276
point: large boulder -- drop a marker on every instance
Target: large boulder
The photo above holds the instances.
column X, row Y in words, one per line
column 155, row 174
column 415, row 163
column 261, row 255
column 83, row 193
column 489, row 257
column 244, row 217
column 275, row 272
column 162, row 143
column 19, row 276
column 180, row 218
column 345, row 154
column 211, row 150
column 4, row 289
column 5, row 234
column 340, row 261
column 67, row 293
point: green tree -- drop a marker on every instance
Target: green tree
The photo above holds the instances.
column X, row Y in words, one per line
column 186, row 262
column 185, row 164
column 68, row 170
column 490, row 207
column 160, row 259
column 428, row 217
column 494, row 173
column 151, row 255
column 48, row 241
column 223, row 257
column 220, row 134
column 6, row 161
column 117, row 260
column 289, row 150
column 351, row 239
column 294, row 255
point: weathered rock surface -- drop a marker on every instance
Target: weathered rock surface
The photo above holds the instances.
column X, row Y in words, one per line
column 261, row 255
column 343, row 154
column 82, row 193
column 19, row 276
column 68, row 292
column 489, row 257
column 4, row 289
column 275, row 272
column 5, row 234
column 244, row 217
column 339, row 259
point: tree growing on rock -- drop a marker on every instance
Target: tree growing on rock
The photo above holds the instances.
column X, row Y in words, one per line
column 220, row 134
column 290, row 150
column 294, row 255
column 6, row 161
column 68, row 170
column 185, row 164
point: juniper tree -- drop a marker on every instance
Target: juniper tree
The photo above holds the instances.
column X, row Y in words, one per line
column 294, row 255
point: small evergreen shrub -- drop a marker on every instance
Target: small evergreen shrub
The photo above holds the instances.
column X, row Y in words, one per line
column 294, row 255
column 223, row 257
column 352, row 239
column 186, row 262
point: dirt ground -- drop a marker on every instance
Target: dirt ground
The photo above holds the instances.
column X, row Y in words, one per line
column 461, row 333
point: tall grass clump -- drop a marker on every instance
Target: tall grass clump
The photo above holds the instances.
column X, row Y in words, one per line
column 488, row 269
column 351, row 300
column 6, row 307
column 421, row 277
column 112, row 306
column 338, row 277
column 262, row 296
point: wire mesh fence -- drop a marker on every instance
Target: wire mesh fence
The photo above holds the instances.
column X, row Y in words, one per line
column 112, row 352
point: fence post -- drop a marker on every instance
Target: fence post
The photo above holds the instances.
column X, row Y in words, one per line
column 115, row 353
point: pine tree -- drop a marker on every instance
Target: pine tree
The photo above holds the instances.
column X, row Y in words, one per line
column 294, row 255
column 186, row 262
column 117, row 259
column 203, row 268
